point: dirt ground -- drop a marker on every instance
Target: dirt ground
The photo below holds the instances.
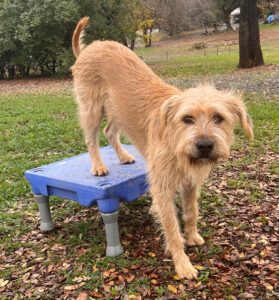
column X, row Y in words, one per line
column 213, row 39
column 35, row 85
column 261, row 80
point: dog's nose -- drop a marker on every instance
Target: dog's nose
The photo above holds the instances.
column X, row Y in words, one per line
column 205, row 146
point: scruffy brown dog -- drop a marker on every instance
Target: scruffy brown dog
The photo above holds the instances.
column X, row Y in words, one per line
column 180, row 133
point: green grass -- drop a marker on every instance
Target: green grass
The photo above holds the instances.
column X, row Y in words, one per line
column 183, row 62
column 39, row 129
column 197, row 65
column 269, row 26
column 36, row 129
column 211, row 64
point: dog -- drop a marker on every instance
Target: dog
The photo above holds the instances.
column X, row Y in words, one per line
column 181, row 134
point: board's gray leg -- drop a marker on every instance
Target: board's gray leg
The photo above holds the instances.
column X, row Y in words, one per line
column 46, row 221
column 114, row 247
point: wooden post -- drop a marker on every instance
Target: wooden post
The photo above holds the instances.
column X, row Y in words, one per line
column 217, row 50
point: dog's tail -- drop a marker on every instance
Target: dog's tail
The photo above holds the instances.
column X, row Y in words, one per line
column 77, row 42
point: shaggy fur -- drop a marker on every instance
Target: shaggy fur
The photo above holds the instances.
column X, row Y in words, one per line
column 166, row 125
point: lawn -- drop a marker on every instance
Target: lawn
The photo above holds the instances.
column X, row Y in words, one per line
column 174, row 62
column 238, row 217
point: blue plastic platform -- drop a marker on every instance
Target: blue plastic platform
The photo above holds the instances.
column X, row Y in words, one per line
column 71, row 179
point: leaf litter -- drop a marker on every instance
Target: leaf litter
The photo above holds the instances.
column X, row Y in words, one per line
column 239, row 221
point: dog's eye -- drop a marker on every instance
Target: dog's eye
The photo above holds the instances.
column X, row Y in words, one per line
column 188, row 119
column 218, row 119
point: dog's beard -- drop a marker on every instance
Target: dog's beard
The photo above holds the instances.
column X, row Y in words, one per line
column 202, row 160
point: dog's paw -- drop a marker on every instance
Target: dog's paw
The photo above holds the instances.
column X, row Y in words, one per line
column 127, row 159
column 99, row 170
column 184, row 269
column 194, row 239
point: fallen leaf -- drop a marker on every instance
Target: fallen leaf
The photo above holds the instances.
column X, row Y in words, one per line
column 83, row 296
column 106, row 274
column 130, row 278
column 176, row 277
column 241, row 255
column 96, row 295
column 246, row 296
column 268, row 286
column 198, row 267
column 134, row 267
column 154, row 281
column 172, row 289
column 81, row 279
column 134, row 297
column 71, row 287
column 95, row 269
column 3, row 282
column 111, row 270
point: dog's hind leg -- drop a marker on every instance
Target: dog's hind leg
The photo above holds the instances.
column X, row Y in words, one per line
column 191, row 213
column 112, row 133
column 90, row 113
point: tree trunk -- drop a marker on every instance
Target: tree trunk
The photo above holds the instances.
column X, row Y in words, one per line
column 2, row 73
column 42, row 69
column 150, row 37
column 11, row 72
column 21, row 70
column 250, row 52
column 132, row 44
column 144, row 33
column 53, row 66
column 27, row 70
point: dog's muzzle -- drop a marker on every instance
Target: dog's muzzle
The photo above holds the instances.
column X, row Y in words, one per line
column 204, row 147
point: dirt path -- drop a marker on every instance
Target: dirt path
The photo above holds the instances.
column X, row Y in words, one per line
column 267, row 34
column 261, row 80
column 41, row 85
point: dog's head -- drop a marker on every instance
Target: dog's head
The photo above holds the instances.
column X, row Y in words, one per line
column 198, row 124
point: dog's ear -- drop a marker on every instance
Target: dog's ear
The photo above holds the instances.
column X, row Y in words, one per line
column 238, row 108
column 166, row 113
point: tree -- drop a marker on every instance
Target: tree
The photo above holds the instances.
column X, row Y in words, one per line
column 199, row 13
column 267, row 7
column 42, row 28
column 104, row 20
column 250, row 53
column 170, row 13
column 147, row 27
column 35, row 35
column 224, row 8
column 136, row 16
column 113, row 19
column 9, row 43
column 178, row 15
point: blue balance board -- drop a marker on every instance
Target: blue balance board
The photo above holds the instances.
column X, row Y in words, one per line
column 71, row 179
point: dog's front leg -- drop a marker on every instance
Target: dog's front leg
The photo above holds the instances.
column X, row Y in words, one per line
column 191, row 212
column 164, row 210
